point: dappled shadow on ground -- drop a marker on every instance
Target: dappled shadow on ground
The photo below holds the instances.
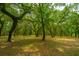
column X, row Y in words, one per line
column 35, row 47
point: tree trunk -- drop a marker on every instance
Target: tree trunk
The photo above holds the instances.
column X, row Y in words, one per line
column 12, row 30
column 51, row 33
column 42, row 21
column 30, row 32
column 2, row 23
column 43, row 35
column 43, row 30
column 14, row 18
column 1, row 29
column 36, row 34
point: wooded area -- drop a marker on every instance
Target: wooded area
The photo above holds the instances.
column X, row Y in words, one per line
column 39, row 29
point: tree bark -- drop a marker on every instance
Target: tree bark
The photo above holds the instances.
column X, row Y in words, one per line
column 36, row 34
column 42, row 21
column 51, row 33
column 2, row 23
column 1, row 29
column 14, row 18
column 12, row 30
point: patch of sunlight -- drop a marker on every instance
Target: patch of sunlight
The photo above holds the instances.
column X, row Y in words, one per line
column 66, row 46
column 2, row 46
column 64, row 39
column 36, row 54
column 21, row 37
column 61, row 49
column 77, row 47
column 14, row 47
column 30, row 48
column 76, row 43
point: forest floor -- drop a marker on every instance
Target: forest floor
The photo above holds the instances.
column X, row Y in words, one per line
column 34, row 46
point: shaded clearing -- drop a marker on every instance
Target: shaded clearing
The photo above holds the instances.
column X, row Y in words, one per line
column 31, row 45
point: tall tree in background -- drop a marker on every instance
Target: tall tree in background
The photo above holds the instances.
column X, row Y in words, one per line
column 42, row 20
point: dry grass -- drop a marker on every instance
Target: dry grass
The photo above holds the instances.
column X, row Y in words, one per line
column 33, row 46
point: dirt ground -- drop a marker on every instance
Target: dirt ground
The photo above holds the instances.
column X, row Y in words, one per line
column 34, row 46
